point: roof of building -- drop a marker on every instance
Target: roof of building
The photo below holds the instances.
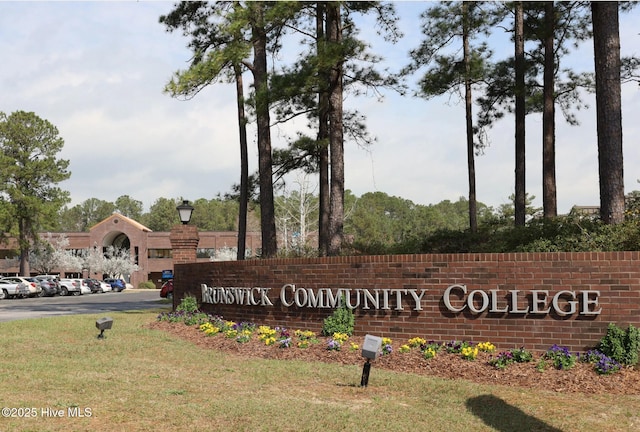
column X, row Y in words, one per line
column 136, row 224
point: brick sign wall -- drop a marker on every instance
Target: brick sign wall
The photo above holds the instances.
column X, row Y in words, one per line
column 533, row 300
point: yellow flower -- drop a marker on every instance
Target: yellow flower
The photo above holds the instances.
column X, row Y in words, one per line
column 386, row 341
column 405, row 348
column 265, row 332
column 340, row 337
column 354, row 346
column 469, row 353
column 486, row 347
column 209, row 329
column 429, row 353
column 304, row 334
column 265, row 329
column 416, row 342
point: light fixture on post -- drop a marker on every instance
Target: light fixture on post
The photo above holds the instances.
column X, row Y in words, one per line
column 185, row 210
column 370, row 350
column 104, row 324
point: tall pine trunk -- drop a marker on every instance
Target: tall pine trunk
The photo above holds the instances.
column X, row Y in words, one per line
column 323, row 137
column 24, row 243
column 267, row 213
column 336, row 144
column 606, row 50
column 471, row 165
column 244, row 165
column 520, row 161
column 549, row 198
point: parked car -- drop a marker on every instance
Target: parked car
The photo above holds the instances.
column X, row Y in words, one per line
column 70, row 286
column 116, row 284
column 105, row 287
column 35, row 290
column 166, row 291
column 93, row 284
column 84, row 288
column 9, row 289
column 49, row 284
column 97, row 286
column 49, row 287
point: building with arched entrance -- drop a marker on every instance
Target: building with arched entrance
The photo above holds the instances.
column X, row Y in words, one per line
column 151, row 251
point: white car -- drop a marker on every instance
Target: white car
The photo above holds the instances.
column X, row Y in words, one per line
column 10, row 289
column 84, row 287
column 105, row 287
column 70, row 286
column 35, row 290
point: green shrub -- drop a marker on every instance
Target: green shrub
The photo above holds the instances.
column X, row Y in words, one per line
column 341, row 321
column 146, row 285
column 560, row 357
column 621, row 345
column 188, row 304
column 570, row 233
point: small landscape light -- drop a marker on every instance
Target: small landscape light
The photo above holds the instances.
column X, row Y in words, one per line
column 103, row 324
column 370, row 349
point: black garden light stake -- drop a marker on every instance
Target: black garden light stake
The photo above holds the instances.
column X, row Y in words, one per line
column 370, row 349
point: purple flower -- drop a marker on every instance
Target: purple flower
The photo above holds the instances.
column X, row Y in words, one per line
column 285, row 343
column 333, row 345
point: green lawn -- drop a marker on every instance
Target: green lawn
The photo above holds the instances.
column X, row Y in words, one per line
column 139, row 379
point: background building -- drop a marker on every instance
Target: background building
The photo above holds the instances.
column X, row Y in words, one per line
column 150, row 250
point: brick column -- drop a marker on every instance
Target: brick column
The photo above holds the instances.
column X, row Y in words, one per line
column 184, row 242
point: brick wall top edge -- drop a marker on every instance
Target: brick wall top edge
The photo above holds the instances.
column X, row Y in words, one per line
column 431, row 258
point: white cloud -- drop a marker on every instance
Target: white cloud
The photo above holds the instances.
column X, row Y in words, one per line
column 97, row 71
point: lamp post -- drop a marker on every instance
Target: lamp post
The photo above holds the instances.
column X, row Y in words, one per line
column 184, row 238
column 184, row 211
column 184, row 245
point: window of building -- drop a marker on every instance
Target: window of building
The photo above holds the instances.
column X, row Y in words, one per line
column 160, row 253
column 9, row 254
column 205, row 252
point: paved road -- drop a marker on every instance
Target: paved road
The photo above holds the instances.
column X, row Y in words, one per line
column 15, row 309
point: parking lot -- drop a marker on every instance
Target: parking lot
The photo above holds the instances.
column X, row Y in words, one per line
column 40, row 307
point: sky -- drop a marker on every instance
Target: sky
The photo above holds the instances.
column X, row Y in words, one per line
column 96, row 71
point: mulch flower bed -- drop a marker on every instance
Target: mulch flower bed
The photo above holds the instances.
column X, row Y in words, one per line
column 581, row 378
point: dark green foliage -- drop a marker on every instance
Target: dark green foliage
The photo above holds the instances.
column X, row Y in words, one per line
column 188, row 304
column 216, row 214
column 30, row 172
column 621, row 345
column 561, row 234
column 381, row 225
column 341, row 321
column 146, row 285
column 187, row 311
column 83, row 216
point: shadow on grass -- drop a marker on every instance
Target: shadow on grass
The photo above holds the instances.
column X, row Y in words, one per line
column 498, row 414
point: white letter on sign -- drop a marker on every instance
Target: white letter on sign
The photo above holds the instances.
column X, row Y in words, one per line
column 283, row 294
column 447, row 293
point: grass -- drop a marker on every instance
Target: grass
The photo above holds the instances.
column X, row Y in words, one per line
column 139, row 379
